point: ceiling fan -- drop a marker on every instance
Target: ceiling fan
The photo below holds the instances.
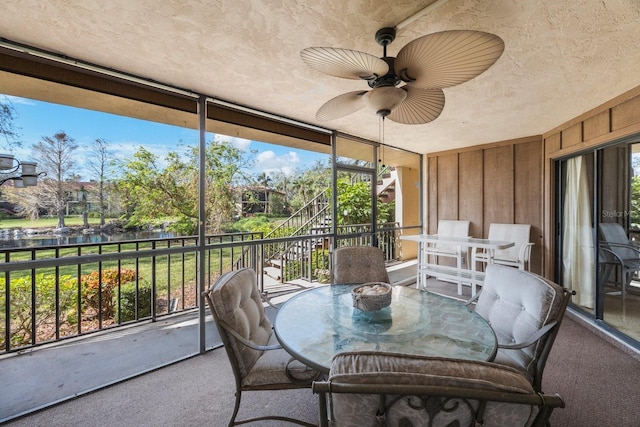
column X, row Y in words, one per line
column 408, row 88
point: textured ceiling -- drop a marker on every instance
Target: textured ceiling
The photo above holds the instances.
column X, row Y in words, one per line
column 561, row 58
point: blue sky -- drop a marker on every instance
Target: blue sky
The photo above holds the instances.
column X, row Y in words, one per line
column 36, row 119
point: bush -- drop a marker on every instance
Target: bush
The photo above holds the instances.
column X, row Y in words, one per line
column 128, row 301
column 92, row 283
column 45, row 310
column 256, row 224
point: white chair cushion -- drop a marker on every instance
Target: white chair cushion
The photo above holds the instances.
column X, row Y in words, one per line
column 517, row 304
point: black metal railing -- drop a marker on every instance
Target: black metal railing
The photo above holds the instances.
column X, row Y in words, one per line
column 53, row 293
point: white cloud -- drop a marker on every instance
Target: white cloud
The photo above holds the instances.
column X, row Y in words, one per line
column 239, row 143
column 270, row 163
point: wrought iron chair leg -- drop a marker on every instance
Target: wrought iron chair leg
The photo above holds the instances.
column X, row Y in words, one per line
column 232, row 422
column 236, row 409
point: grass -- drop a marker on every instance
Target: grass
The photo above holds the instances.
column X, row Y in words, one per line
column 49, row 222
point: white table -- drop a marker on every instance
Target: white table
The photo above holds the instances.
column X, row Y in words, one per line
column 458, row 274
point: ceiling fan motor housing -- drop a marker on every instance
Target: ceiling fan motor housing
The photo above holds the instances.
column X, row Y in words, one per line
column 389, row 79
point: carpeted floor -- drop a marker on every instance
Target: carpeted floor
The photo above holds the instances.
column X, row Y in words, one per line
column 598, row 382
column 195, row 392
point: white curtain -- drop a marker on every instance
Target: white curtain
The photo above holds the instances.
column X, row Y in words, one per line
column 578, row 251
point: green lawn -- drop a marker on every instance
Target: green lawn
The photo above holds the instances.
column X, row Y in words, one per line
column 70, row 221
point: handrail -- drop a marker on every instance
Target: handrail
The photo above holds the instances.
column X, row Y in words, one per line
column 47, row 285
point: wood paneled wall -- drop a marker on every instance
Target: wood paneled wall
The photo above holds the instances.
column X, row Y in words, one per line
column 513, row 181
column 500, row 182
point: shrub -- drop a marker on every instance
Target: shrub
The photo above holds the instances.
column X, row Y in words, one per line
column 128, row 301
column 45, row 309
column 97, row 290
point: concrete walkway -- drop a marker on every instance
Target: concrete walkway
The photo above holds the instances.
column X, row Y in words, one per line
column 42, row 376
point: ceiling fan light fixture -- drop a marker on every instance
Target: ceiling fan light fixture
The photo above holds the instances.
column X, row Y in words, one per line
column 384, row 99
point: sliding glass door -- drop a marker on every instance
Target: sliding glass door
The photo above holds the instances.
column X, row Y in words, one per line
column 599, row 199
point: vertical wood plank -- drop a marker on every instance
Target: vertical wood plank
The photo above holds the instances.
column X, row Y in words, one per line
column 596, row 126
column 432, row 208
column 448, row 186
column 498, row 186
column 528, row 192
column 572, row 135
column 470, row 190
column 625, row 114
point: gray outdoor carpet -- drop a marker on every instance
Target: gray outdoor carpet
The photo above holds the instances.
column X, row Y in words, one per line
column 598, row 382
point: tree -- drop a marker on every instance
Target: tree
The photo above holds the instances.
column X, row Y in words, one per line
column 101, row 165
column 26, row 201
column 150, row 191
column 55, row 157
column 8, row 131
column 354, row 204
column 264, row 180
column 84, row 207
column 225, row 168
column 309, row 183
column 635, row 203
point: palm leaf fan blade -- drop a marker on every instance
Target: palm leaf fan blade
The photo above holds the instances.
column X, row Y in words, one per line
column 341, row 105
column 447, row 58
column 419, row 107
column 344, row 63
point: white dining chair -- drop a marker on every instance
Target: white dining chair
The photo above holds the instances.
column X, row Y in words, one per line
column 525, row 311
column 451, row 228
column 518, row 255
column 432, row 253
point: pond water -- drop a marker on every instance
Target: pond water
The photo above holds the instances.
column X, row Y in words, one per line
column 11, row 239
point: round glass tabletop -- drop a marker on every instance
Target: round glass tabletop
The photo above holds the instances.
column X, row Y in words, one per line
column 317, row 324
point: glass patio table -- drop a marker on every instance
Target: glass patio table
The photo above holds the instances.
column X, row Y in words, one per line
column 319, row 323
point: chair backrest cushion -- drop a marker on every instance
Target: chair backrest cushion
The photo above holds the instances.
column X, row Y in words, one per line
column 517, row 304
column 612, row 232
column 388, row 369
column 236, row 301
column 518, row 233
column 359, row 264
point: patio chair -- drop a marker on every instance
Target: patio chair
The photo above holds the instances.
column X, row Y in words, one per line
column 617, row 252
column 431, row 253
column 257, row 360
column 454, row 228
column 358, row 264
column 399, row 390
column 525, row 311
column 515, row 256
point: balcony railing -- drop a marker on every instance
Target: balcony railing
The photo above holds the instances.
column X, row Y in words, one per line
column 53, row 293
